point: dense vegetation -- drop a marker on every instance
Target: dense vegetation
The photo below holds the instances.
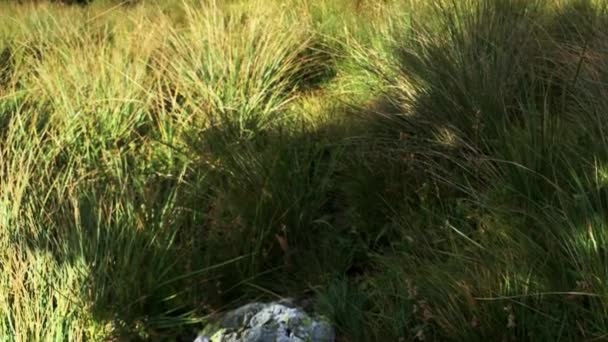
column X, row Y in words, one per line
column 415, row 170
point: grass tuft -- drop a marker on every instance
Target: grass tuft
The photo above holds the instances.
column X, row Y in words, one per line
column 414, row 171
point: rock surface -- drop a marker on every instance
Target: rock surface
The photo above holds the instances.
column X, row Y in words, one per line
column 272, row 322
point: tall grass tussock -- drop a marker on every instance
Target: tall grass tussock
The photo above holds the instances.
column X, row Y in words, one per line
column 417, row 171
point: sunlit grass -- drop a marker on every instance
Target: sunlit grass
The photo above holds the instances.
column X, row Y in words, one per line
column 423, row 171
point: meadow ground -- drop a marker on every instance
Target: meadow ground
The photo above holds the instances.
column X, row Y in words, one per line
column 415, row 170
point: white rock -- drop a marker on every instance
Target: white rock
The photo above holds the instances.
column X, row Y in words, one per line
column 272, row 322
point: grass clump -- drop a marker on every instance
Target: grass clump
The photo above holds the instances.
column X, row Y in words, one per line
column 485, row 108
column 427, row 171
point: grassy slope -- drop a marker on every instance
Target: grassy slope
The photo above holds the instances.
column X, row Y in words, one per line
column 424, row 171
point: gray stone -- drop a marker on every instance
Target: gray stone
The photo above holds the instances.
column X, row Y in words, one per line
column 272, row 322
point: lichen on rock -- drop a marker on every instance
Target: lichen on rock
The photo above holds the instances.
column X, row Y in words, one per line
column 271, row 322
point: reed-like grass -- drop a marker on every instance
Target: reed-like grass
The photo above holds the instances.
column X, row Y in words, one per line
column 420, row 171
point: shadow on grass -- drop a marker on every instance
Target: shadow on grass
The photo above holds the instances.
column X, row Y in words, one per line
column 503, row 134
column 440, row 216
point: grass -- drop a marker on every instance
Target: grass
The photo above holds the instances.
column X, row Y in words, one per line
column 420, row 170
